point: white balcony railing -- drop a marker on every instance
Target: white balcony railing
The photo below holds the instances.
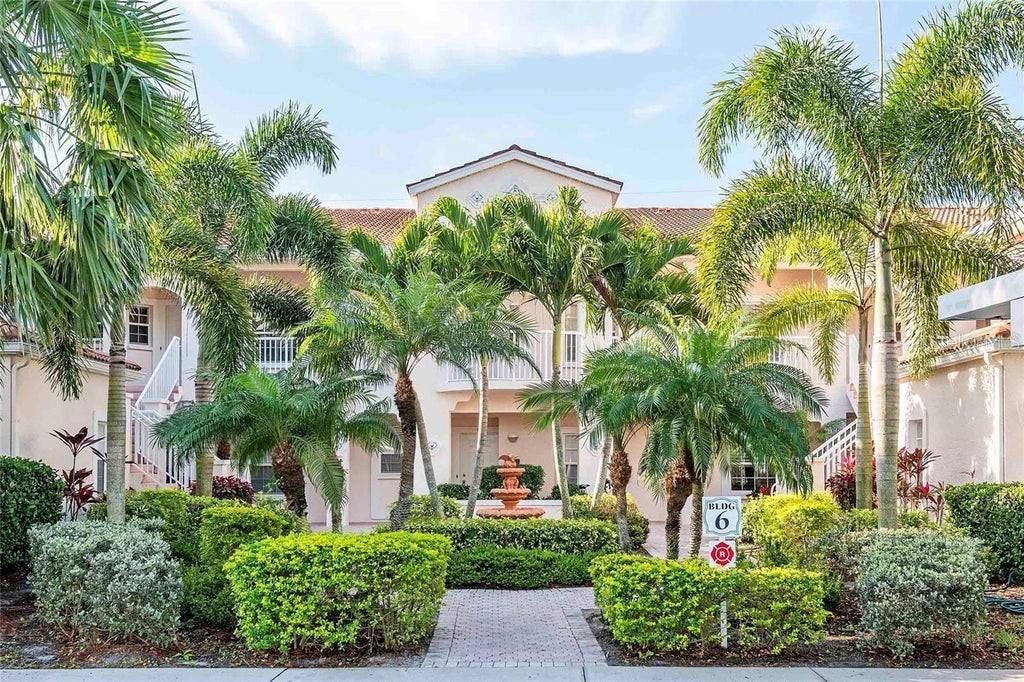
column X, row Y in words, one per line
column 166, row 376
column 520, row 371
column 275, row 353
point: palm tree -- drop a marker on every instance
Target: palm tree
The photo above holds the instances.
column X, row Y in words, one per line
column 554, row 254
column 220, row 214
column 463, row 245
column 846, row 146
column 74, row 153
column 298, row 421
column 845, row 258
column 708, row 395
column 640, row 285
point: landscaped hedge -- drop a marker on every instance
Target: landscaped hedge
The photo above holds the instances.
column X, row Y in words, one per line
column 532, row 478
column 229, row 488
column 673, row 606
column 517, row 569
column 993, row 513
column 456, row 491
column 423, row 508
column 568, row 536
column 118, row 581
column 222, row 531
column 916, row 585
column 30, row 493
column 639, row 526
column 380, row 591
column 784, row 526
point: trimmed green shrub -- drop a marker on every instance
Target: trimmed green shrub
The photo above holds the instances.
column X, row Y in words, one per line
column 639, row 526
column 785, row 525
column 423, row 508
column 574, row 489
column 916, row 585
column 30, row 493
column 456, row 491
column 517, row 569
column 119, row 581
column 532, row 478
column 673, row 606
column 222, row 531
column 993, row 513
column 380, row 591
column 293, row 522
column 568, row 536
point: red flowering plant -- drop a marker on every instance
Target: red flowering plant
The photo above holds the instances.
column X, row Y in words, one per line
column 911, row 469
column 230, row 488
column 78, row 490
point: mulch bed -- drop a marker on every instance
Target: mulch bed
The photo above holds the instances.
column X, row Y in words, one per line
column 27, row 642
column 843, row 648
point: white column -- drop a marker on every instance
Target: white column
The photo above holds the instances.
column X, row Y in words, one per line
column 1017, row 321
column 344, row 453
column 189, row 353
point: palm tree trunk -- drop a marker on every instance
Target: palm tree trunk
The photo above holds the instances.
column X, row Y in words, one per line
column 602, row 472
column 481, row 439
column 885, row 386
column 696, row 518
column 678, row 486
column 290, row 480
column 865, row 471
column 204, row 458
column 556, row 428
column 116, row 421
column 405, row 403
column 428, row 461
column 621, row 471
column 336, row 518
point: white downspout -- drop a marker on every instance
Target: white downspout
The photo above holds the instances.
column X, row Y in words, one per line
column 14, row 394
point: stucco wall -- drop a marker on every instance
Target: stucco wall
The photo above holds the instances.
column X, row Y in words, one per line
column 38, row 410
column 500, row 179
column 959, row 406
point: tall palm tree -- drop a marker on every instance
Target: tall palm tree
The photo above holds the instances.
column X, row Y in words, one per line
column 463, row 245
column 298, row 420
column 220, row 214
column 553, row 254
column 871, row 150
column 640, row 284
column 845, row 258
column 708, row 395
column 74, row 155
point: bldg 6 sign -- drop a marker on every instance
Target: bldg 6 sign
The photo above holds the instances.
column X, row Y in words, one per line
column 722, row 516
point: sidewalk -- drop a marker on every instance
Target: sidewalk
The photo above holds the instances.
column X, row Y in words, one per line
column 578, row 674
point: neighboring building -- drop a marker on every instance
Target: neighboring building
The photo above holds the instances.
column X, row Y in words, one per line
column 162, row 342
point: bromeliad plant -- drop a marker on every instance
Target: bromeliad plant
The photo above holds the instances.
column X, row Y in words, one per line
column 78, row 491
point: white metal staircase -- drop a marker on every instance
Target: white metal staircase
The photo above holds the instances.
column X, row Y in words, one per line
column 151, row 465
column 832, row 451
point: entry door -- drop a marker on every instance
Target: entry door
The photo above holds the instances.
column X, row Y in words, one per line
column 467, row 450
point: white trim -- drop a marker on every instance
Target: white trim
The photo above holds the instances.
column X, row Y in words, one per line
column 513, row 155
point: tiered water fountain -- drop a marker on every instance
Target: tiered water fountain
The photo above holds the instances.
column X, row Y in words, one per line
column 510, row 493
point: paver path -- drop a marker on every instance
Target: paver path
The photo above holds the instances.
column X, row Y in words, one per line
column 514, row 628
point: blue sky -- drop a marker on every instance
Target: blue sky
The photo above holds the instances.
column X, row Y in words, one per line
column 411, row 88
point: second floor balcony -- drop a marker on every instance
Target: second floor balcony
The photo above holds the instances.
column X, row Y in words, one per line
column 519, row 373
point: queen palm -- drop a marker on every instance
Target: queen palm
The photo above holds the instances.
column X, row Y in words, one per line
column 300, row 422
column 220, row 214
column 554, row 254
column 640, row 285
column 74, row 156
column 845, row 258
column 846, row 146
column 707, row 395
column 463, row 245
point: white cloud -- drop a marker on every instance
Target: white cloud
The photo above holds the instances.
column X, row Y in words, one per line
column 429, row 35
column 663, row 103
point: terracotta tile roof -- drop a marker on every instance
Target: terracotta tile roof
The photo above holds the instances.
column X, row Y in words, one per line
column 382, row 223
column 9, row 332
column 672, row 222
column 385, row 223
column 514, row 148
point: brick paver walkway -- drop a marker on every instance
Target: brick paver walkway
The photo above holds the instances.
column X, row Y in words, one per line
column 514, row 628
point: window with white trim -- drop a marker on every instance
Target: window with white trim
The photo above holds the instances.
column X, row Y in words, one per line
column 915, row 434
column 390, row 463
column 262, row 478
column 750, row 478
column 99, row 472
column 140, row 320
column 571, row 455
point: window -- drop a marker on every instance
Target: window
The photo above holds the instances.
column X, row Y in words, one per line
column 915, row 434
column 99, row 471
column 571, row 318
column 261, row 477
column 390, row 463
column 139, row 318
column 571, row 451
column 748, row 478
